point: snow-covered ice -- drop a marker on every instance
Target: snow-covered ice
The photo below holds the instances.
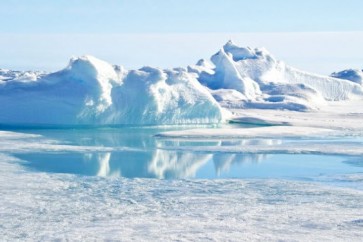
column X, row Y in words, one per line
column 92, row 91
column 261, row 132
column 264, row 82
column 305, row 113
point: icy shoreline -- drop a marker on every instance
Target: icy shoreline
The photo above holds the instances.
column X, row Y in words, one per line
column 56, row 206
column 307, row 114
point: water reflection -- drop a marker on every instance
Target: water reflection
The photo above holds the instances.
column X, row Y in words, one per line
column 355, row 161
column 160, row 164
column 172, row 164
column 153, row 162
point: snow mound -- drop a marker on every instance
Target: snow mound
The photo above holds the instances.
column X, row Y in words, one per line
column 355, row 76
column 264, row 82
column 91, row 91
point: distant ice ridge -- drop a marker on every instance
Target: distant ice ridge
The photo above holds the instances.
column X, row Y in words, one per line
column 9, row 75
column 91, row 91
column 355, row 76
column 253, row 78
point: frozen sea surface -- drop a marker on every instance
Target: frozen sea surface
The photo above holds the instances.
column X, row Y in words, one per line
column 126, row 184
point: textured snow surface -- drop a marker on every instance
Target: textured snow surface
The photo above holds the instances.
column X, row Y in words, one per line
column 41, row 206
column 344, row 116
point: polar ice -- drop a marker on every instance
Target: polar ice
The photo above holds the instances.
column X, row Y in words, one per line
column 240, row 146
column 92, row 91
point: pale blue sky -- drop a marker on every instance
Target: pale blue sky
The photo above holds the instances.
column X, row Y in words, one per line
column 140, row 16
column 315, row 35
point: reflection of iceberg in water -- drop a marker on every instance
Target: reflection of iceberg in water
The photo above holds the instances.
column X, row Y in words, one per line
column 155, row 158
column 172, row 164
column 223, row 162
column 104, row 163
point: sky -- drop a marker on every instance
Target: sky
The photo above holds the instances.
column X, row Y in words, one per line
column 316, row 35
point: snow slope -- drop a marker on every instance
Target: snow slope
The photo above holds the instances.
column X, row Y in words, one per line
column 91, row 91
column 253, row 78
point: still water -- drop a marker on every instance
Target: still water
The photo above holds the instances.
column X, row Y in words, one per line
column 145, row 157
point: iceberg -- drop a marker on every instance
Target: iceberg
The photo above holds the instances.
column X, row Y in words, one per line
column 90, row 91
column 252, row 78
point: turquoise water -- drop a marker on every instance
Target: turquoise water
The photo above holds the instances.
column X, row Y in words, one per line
column 145, row 157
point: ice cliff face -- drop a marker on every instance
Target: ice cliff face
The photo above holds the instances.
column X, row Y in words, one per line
column 91, row 91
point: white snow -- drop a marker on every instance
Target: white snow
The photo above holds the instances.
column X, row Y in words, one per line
column 261, row 132
column 322, row 148
column 14, row 142
column 155, row 96
column 344, row 116
column 270, row 141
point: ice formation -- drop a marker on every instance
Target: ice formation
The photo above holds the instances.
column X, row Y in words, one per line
column 7, row 75
column 92, row 91
column 253, row 78
column 355, row 76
